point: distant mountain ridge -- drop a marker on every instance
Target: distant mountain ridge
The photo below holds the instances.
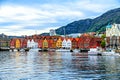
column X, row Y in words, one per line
column 97, row 24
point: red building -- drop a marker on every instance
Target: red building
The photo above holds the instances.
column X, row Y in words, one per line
column 95, row 42
column 87, row 41
column 12, row 43
column 40, row 42
column 81, row 42
column 75, row 43
column 24, row 43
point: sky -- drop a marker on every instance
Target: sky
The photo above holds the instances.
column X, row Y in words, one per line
column 29, row 17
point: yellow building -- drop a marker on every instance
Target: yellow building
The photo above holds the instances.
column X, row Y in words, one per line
column 45, row 43
column 17, row 43
column 59, row 43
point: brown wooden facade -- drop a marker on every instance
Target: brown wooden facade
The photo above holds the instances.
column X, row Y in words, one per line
column 85, row 41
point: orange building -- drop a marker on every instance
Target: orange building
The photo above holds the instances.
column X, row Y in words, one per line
column 59, row 43
column 54, row 41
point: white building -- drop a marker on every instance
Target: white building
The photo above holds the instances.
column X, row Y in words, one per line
column 32, row 44
column 64, row 43
column 113, row 30
column 67, row 44
column 28, row 44
column 52, row 32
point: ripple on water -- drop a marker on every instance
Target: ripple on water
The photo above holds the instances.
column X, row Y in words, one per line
column 57, row 66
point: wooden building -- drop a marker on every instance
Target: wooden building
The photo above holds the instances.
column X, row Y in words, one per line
column 59, row 43
column 45, row 44
column 17, row 43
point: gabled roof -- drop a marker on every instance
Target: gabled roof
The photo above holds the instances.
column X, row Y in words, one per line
column 71, row 39
column 76, row 39
column 85, row 35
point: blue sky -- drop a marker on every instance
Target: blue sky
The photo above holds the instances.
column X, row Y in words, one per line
column 25, row 17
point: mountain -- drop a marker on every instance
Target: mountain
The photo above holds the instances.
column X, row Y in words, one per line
column 45, row 34
column 97, row 24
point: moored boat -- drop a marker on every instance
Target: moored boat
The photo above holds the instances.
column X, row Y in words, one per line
column 26, row 49
column 76, row 50
column 110, row 53
column 94, row 51
column 51, row 50
column 4, row 49
column 62, row 50
column 34, row 49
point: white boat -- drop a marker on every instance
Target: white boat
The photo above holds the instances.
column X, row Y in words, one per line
column 15, row 50
column 94, row 51
column 22, row 50
column 51, row 50
column 76, row 50
column 34, row 50
column 110, row 53
column 62, row 50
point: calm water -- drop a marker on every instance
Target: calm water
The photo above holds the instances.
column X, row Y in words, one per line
column 58, row 66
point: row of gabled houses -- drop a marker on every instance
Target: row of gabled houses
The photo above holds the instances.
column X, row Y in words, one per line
column 85, row 41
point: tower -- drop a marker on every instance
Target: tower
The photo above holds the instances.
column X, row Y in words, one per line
column 52, row 32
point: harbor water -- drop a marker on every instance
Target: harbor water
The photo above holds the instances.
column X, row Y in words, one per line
column 58, row 66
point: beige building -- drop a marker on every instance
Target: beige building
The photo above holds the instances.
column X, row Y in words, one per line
column 113, row 30
column 113, row 35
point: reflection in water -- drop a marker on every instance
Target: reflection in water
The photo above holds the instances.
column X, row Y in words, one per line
column 58, row 65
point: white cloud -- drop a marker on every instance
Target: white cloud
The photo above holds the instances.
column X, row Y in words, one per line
column 27, row 16
column 13, row 27
column 97, row 6
column 44, row 14
column 19, row 32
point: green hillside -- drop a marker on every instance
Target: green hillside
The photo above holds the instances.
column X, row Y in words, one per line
column 90, row 25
